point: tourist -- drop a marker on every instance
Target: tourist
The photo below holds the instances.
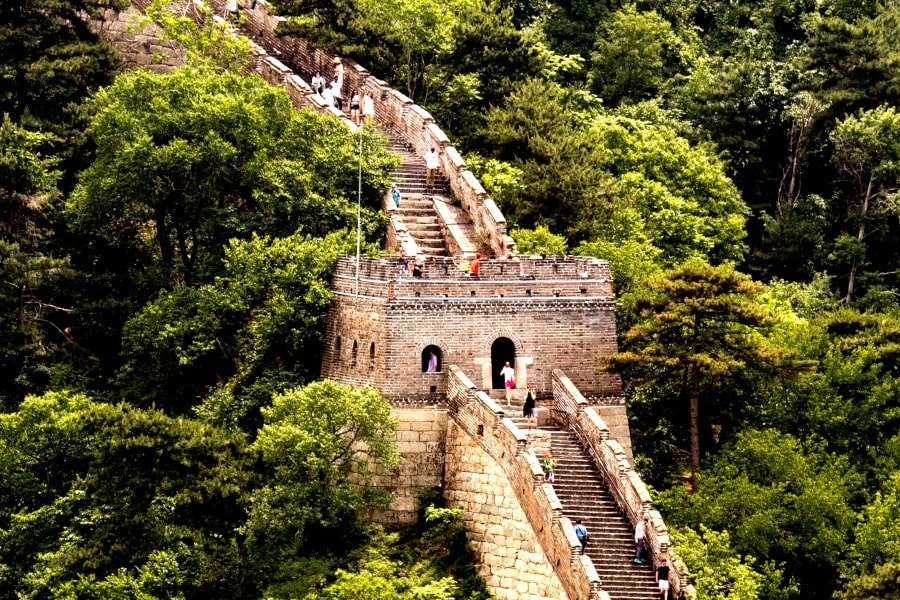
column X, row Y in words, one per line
column 662, row 579
column 395, row 195
column 549, row 467
column 232, row 13
column 318, row 84
column 465, row 266
column 403, row 264
column 418, row 267
column 431, row 165
column 337, row 94
column 581, row 533
column 529, row 409
column 354, row 107
column 432, row 362
column 368, row 108
column 338, row 72
column 475, row 265
column 327, row 96
column 509, row 380
column 640, row 539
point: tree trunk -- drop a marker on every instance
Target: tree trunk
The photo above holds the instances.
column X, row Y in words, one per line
column 861, row 234
column 694, row 386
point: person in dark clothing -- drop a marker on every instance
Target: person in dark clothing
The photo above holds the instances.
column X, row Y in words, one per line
column 529, row 410
column 662, row 579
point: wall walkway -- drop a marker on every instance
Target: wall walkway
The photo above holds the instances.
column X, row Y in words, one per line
column 291, row 62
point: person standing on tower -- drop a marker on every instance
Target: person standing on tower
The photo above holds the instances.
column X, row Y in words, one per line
column 509, row 381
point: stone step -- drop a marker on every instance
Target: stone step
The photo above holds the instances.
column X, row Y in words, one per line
column 583, row 495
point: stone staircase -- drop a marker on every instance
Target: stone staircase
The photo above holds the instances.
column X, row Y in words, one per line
column 419, row 205
column 411, row 175
column 418, row 214
column 583, row 495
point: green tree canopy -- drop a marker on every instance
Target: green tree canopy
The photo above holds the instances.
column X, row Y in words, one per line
column 187, row 161
column 321, row 447
column 696, row 324
column 94, row 492
column 786, row 505
column 51, row 59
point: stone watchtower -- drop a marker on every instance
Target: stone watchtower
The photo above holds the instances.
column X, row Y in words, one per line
column 537, row 313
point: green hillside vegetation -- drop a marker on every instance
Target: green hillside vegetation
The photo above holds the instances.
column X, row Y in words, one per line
column 166, row 240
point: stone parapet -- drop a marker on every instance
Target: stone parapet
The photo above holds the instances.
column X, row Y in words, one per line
column 573, row 412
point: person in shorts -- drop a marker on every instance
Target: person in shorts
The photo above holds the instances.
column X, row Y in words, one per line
column 662, row 579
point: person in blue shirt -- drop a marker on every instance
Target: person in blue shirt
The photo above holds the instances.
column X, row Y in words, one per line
column 581, row 532
column 395, row 195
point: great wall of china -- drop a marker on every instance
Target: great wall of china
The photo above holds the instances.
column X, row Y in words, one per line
column 549, row 316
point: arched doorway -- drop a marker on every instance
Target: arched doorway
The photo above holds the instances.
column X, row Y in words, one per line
column 430, row 365
column 502, row 350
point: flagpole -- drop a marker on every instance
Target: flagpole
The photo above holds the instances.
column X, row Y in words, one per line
column 359, row 209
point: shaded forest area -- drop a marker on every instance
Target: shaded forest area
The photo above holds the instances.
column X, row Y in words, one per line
column 165, row 244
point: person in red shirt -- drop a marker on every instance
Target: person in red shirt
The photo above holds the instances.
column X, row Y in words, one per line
column 474, row 265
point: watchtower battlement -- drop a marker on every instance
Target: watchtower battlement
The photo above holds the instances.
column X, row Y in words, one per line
column 537, row 313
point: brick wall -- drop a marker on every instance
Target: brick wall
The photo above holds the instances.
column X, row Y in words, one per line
column 556, row 313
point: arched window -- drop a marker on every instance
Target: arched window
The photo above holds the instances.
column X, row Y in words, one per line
column 432, row 360
column 372, row 356
column 353, row 354
column 337, row 349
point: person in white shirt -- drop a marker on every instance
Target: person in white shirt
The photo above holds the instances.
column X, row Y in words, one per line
column 318, row 83
column 640, row 538
column 337, row 94
column 368, row 108
column 431, row 164
column 231, row 10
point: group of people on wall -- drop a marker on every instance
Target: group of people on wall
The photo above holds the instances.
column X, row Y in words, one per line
column 415, row 267
column 362, row 106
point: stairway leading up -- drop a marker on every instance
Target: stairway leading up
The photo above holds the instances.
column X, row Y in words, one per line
column 584, row 495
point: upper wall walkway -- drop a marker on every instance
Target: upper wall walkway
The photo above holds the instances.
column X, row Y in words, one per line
column 291, row 62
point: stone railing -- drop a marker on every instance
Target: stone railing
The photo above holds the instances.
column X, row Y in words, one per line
column 289, row 61
column 571, row 410
column 485, row 421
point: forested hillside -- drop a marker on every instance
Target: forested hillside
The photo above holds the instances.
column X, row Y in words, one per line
column 165, row 244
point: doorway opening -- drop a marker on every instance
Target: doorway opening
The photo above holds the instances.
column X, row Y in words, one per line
column 502, row 351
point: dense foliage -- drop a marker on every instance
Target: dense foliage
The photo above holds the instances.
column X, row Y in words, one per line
column 165, row 243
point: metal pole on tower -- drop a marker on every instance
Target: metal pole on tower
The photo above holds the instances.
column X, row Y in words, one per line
column 359, row 209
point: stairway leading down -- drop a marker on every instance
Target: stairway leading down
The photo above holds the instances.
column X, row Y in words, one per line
column 418, row 205
column 411, row 175
column 584, row 495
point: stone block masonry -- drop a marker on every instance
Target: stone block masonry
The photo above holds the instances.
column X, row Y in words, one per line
column 509, row 557
column 421, row 442
column 139, row 45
